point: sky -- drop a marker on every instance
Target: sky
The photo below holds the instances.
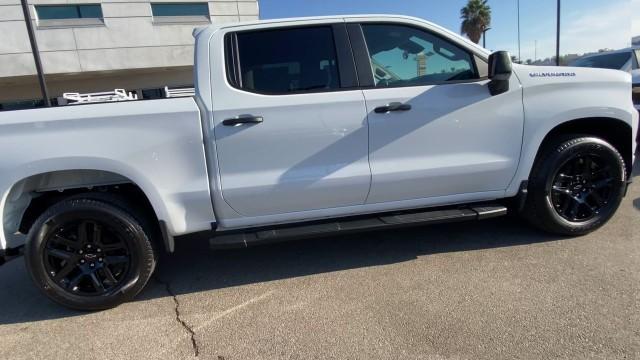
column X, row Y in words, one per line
column 586, row 25
column 635, row 25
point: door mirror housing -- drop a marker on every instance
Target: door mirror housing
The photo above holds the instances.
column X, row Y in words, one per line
column 500, row 70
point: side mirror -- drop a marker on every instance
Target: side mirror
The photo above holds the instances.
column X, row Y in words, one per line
column 499, row 72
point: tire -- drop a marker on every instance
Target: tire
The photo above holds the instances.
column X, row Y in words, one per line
column 576, row 185
column 90, row 253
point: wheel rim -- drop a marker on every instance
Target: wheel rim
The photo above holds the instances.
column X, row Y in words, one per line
column 582, row 188
column 87, row 257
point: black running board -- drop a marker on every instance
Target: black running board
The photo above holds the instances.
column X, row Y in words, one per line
column 244, row 238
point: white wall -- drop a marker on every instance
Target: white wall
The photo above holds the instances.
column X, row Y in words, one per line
column 128, row 40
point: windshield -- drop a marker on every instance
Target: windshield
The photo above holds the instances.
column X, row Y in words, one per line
column 608, row 61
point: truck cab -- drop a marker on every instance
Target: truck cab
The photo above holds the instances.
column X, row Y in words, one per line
column 330, row 137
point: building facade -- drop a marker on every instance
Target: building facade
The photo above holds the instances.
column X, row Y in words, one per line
column 100, row 45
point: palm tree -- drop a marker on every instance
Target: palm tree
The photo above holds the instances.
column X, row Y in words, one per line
column 476, row 17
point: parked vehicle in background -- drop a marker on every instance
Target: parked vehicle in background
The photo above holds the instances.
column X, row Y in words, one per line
column 303, row 127
column 626, row 60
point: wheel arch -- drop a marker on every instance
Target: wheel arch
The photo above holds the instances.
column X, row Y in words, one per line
column 32, row 192
column 615, row 131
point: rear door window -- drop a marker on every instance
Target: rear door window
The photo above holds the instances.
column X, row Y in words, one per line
column 283, row 61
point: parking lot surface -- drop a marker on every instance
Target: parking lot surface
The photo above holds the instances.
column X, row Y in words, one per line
column 483, row 290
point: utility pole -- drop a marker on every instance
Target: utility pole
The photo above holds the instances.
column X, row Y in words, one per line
column 484, row 37
column 519, row 54
column 535, row 51
column 36, row 53
column 558, row 37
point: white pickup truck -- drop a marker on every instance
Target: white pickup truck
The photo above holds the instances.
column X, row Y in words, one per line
column 305, row 127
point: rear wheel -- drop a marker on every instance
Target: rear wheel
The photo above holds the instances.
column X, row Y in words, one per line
column 89, row 254
column 576, row 186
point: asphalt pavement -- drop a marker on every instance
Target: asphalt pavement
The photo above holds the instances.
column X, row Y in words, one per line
column 495, row 289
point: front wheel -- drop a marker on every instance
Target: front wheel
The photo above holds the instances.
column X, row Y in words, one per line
column 576, row 185
column 89, row 254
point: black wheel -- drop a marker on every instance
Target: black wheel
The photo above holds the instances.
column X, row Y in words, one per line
column 89, row 254
column 575, row 186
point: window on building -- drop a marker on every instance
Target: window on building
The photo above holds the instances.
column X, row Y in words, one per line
column 406, row 56
column 180, row 13
column 286, row 61
column 69, row 15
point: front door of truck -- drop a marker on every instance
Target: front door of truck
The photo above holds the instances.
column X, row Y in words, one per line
column 434, row 128
column 290, row 126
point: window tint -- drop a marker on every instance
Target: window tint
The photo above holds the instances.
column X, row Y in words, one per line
column 58, row 12
column 182, row 9
column 405, row 56
column 606, row 61
column 285, row 61
column 636, row 63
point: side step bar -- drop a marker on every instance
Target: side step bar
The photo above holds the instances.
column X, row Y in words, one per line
column 243, row 238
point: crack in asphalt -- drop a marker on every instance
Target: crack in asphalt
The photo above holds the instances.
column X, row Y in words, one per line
column 192, row 334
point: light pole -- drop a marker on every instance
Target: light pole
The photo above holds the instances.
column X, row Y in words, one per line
column 519, row 54
column 558, row 36
column 484, row 37
column 36, row 53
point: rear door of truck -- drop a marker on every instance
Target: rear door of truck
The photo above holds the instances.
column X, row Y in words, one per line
column 290, row 124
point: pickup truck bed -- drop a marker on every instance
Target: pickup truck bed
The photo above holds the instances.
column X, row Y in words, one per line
column 155, row 144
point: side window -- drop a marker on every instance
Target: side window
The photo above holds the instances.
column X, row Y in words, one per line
column 406, row 56
column 288, row 60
